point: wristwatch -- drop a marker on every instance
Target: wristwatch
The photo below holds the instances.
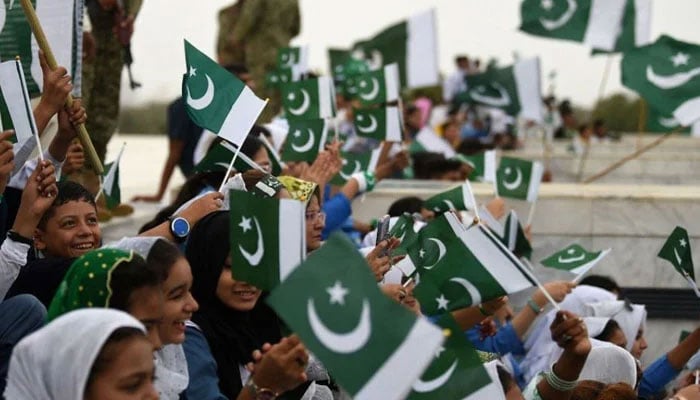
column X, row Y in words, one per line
column 259, row 393
column 179, row 228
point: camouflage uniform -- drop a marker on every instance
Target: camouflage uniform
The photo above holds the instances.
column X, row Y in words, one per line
column 265, row 26
column 226, row 51
column 102, row 77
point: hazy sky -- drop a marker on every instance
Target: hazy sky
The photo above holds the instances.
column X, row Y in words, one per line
column 479, row 28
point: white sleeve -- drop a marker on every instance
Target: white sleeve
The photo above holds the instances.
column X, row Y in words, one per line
column 19, row 180
column 13, row 256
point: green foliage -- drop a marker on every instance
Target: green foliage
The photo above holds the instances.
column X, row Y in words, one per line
column 147, row 118
column 619, row 111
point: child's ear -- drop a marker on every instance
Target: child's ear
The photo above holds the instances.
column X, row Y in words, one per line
column 39, row 243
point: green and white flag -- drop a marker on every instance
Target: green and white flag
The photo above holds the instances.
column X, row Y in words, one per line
column 281, row 75
column 411, row 44
column 660, row 123
column 456, row 371
column 219, row 157
column 110, row 184
column 61, row 21
column 337, row 59
column 375, row 348
column 519, row 179
column 427, row 140
column 288, row 57
column 484, row 270
column 596, row 23
column 514, row 236
column 667, row 75
column 483, row 165
column 306, row 138
column 575, row 259
column 354, row 163
column 460, row 198
column 217, row 100
column 636, row 26
column 267, row 238
column 515, row 89
column 15, row 104
column 403, row 228
column 382, row 124
column 676, row 250
column 308, row 99
column 377, row 87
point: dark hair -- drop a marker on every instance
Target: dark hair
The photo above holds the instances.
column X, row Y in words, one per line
column 608, row 331
column 108, row 351
column 128, row 277
column 507, row 381
column 617, row 391
column 432, row 165
column 67, row 191
column 461, row 59
column 403, row 205
column 603, row 282
column 162, row 256
column 598, row 123
column 587, row 390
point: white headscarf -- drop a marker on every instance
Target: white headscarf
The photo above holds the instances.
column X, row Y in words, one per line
column 55, row 361
column 172, row 376
column 608, row 363
column 630, row 317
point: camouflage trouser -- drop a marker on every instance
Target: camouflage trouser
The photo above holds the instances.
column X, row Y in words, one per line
column 101, row 86
column 260, row 59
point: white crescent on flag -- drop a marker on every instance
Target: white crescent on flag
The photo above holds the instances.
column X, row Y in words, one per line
column 305, row 104
column 343, row 343
column 206, row 99
column 442, row 250
column 517, row 182
column 358, row 168
column 671, row 81
column 306, row 146
column 422, row 386
column 372, row 93
column 369, row 128
column 551, row 25
column 255, row 258
column 470, row 288
column 502, row 100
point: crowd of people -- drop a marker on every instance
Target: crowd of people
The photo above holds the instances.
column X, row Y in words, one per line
column 160, row 314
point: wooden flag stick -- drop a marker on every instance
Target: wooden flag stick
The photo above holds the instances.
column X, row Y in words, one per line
column 531, row 215
column 51, row 60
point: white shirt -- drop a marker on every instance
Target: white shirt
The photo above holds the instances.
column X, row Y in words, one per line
column 13, row 256
column 454, row 84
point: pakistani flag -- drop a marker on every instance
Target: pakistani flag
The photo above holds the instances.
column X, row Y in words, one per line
column 514, row 236
column 456, row 371
column 219, row 157
column 460, row 198
column 354, row 163
column 15, row 104
column 574, row 259
column 337, row 59
column 279, row 76
column 483, row 165
column 667, row 75
column 110, row 183
column 267, row 238
column 484, row 270
column 217, row 100
column 403, row 228
column 382, row 124
column 61, row 21
column 306, row 138
column 411, row 44
column 594, row 22
column 288, row 57
column 515, row 89
column 375, row 348
column 377, row 87
column 427, row 140
column 636, row 26
column 660, row 123
column 519, row 179
column 676, row 250
column 308, row 99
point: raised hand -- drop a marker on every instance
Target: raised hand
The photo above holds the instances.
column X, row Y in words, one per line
column 281, row 367
column 7, row 157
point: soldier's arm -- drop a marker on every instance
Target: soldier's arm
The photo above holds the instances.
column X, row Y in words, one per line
column 251, row 12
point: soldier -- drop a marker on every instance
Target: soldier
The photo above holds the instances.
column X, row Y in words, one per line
column 227, row 52
column 266, row 25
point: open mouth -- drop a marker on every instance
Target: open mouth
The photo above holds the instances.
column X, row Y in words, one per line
column 83, row 246
column 246, row 294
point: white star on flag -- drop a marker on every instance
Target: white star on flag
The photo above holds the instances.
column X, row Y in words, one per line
column 442, row 302
column 680, row 59
column 193, row 71
column 439, row 351
column 547, row 4
column 421, row 253
column 245, row 224
column 683, row 242
column 337, row 293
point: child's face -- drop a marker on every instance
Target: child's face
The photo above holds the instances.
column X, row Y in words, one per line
column 70, row 232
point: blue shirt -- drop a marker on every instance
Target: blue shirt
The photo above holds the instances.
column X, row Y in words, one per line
column 503, row 342
column 337, row 211
column 201, row 366
column 656, row 377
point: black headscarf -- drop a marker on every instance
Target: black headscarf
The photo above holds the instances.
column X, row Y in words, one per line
column 232, row 335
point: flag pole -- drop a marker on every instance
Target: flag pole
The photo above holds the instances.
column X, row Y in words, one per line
column 541, row 286
column 38, row 31
column 531, row 215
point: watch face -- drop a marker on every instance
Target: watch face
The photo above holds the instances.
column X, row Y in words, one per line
column 180, row 227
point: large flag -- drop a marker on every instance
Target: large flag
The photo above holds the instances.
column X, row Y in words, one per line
column 217, row 100
column 377, row 87
column 515, row 89
column 514, row 236
column 519, row 179
column 354, row 163
column 484, row 271
column 483, row 165
column 460, row 198
column 596, row 23
column 110, row 184
column 636, row 26
column 61, row 21
column 306, row 138
column 574, row 258
column 667, row 75
column 411, row 44
column 661, row 123
column 267, row 238
column 15, row 104
column 308, row 99
column 383, row 123
column 375, row 348
column 456, row 371
column 219, row 157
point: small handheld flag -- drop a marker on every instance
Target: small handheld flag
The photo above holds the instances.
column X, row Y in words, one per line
column 676, row 250
column 574, row 259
